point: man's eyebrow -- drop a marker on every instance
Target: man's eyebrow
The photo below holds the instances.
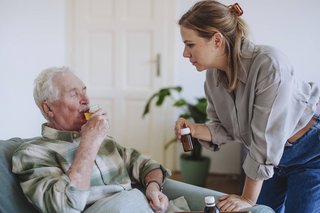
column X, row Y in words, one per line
column 72, row 89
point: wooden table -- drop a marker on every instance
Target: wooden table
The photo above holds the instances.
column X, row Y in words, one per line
column 220, row 212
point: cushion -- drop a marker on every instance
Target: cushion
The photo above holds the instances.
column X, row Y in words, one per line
column 12, row 198
column 178, row 205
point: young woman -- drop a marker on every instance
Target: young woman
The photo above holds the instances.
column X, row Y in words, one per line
column 254, row 99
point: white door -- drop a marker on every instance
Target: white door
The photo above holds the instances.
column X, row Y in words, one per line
column 122, row 51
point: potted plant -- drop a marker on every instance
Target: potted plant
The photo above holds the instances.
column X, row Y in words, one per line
column 194, row 166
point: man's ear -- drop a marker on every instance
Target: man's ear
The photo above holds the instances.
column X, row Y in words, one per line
column 46, row 109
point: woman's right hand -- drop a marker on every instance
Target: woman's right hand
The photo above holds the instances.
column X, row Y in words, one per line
column 198, row 130
column 182, row 123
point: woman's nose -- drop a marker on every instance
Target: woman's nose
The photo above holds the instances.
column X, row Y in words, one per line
column 186, row 53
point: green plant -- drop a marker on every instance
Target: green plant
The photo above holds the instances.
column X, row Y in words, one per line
column 192, row 111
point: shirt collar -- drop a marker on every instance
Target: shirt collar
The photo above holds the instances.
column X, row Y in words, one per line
column 62, row 135
column 247, row 50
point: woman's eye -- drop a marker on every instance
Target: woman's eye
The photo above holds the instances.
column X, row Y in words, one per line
column 190, row 45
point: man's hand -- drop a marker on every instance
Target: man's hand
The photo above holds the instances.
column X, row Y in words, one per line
column 91, row 136
column 97, row 127
column 158, row 201
column 233, row 203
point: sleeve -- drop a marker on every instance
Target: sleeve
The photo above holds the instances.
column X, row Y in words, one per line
column 45, row 184
column 138, row 165
column 265, row 153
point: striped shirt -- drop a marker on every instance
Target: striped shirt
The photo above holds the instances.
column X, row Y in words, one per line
column 42, row 163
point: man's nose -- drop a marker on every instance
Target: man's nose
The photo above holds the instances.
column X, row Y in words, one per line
column 84, row 99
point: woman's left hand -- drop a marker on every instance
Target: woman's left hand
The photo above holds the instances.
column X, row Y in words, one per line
column 233, row 203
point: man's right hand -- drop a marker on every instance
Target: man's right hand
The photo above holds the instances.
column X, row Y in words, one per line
column 96, row 128
column 92, row 135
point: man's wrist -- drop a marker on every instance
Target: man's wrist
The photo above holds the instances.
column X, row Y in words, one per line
column 160, row 185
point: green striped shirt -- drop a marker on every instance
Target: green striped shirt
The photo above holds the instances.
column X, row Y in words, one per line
column 42, row 163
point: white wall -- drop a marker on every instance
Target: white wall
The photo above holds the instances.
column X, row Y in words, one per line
column 290, row 25
column 32, row 38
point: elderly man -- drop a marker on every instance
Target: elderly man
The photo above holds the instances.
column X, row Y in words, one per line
column 75, row 166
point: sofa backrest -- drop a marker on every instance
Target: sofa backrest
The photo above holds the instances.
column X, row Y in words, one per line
column 12, row 198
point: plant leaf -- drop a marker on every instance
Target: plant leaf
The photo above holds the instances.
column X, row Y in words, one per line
column 160, row 96
column 179, row 103
column 147, row 107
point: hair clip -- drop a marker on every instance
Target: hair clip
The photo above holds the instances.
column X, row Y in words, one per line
column 236, row 7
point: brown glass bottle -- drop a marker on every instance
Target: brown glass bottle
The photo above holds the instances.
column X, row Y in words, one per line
column 210, row 205
column 186, row 139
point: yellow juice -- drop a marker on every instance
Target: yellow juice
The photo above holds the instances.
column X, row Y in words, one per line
column 87, row 115
column 92, row 109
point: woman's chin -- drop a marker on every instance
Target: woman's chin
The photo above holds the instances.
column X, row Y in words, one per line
column 200, row 69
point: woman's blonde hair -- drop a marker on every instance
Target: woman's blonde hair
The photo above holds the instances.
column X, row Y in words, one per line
column 209, row 17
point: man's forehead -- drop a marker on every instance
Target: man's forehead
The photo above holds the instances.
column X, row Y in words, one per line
column 68, row 81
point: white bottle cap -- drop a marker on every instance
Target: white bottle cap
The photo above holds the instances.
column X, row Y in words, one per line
column 185, row 131
column 209, row 200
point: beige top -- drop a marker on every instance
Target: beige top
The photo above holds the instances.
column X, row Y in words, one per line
column 268, row 106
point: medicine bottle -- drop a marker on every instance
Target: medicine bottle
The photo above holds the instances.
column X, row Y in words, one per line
column 186, row 139
column 210, row 205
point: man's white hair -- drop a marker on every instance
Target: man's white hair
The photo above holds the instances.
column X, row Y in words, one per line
column 44, row 90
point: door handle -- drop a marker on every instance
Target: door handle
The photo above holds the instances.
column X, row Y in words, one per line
column 158, row 65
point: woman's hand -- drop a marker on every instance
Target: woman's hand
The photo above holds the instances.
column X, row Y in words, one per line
column 182, row 123
column 233, row 203
column 200, row 131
